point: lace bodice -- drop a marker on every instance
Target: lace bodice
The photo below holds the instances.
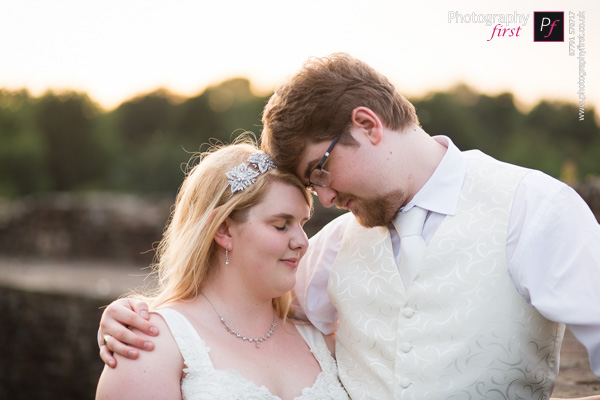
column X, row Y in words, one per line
column 203, row 381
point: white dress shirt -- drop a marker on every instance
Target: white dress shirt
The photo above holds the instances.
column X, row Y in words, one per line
column 553, row 250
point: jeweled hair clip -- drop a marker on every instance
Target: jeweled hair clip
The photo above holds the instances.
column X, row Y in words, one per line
column 242, row 176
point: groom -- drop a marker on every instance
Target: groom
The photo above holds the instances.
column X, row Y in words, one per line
column 510, row 255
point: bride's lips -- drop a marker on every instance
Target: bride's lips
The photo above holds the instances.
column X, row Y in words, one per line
column 290, row 262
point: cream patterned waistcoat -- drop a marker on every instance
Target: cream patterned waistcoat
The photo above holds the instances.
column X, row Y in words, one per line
column 459, row 330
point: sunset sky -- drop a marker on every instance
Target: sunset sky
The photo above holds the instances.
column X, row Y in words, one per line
column 114, row 50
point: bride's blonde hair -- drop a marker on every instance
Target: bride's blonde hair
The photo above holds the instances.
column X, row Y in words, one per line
column 187, row 250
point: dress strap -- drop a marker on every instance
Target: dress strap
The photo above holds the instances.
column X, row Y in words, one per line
column 191, row 346
column 315, row 340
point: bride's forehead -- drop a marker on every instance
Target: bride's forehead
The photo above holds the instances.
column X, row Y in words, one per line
column 282, row 197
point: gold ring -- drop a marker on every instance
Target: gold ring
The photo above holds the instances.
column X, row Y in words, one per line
column 106, row 339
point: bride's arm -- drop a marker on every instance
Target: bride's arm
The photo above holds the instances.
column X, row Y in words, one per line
column 154, row 375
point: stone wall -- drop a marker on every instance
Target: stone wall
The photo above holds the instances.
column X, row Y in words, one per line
column 97, row 226
column 48, row 345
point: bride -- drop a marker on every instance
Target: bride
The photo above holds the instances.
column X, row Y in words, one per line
column 226, row 267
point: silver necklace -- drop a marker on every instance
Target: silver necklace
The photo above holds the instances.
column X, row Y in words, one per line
column 229, row 329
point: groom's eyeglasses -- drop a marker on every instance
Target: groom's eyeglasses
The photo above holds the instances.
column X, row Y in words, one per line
column 319, row 176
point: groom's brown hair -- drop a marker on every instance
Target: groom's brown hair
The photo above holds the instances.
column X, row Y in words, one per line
column 316, row 105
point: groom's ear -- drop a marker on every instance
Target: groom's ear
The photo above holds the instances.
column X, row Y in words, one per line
column 368, row 123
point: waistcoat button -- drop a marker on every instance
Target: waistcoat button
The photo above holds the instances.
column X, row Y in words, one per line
column 404, row 382
column 408, row 312
column 405, row 347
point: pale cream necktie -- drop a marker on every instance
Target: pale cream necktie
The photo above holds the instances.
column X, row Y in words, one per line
column 409, row 225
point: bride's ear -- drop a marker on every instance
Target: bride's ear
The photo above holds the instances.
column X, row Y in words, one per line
column 223, row 235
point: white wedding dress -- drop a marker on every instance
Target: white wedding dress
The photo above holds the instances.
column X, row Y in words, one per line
column 203, row 381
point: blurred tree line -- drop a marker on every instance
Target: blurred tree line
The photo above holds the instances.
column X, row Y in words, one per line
column 65, row 142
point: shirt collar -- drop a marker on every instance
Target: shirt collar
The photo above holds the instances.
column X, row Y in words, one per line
column 441, row 192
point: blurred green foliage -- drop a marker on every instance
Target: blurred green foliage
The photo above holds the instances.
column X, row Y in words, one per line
column 549, row 137
column 65, row 142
